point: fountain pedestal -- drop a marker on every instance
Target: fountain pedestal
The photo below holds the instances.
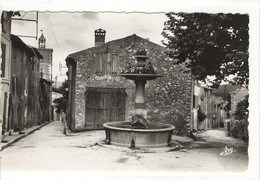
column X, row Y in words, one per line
column 140, row 112
column 141, row 75
column 139, row 94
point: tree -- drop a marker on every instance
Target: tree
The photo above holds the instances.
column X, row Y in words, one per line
column 210, row 45
column 61, row 102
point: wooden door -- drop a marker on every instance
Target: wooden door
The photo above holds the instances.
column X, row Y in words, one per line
column 104, row 105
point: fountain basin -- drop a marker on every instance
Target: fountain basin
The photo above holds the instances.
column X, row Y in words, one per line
column 140, row 77
column 157, row 135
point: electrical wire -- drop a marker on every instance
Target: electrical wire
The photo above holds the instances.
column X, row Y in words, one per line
column 48, row 19
column 24, row 15
column 53, row 32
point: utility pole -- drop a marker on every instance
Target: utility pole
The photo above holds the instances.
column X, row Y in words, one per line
column 29, row 20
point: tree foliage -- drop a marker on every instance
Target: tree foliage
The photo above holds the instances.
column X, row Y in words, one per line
column 210, row 45
column 61, row 102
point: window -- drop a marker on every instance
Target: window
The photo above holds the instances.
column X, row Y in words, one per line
column 3, row 21
column 100, row 64
column 109, row 63
column 106, row 63
column 3, row 47
column 114, row 63
column 5, row 110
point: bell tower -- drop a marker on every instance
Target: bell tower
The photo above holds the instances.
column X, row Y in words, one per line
column 42, row 41
column 46, row 61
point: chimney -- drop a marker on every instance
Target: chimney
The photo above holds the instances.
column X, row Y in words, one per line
column 100, row 37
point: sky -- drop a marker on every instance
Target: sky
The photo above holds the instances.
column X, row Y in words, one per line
column 69, row 32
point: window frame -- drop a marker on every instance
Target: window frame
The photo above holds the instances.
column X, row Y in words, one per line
column 3, row 62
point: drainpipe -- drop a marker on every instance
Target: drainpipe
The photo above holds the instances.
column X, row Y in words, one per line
column 191, row 106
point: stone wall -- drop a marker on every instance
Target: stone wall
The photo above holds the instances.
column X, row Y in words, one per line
column 46, row 63
column 27, row 94
column 168, row 98
column 47, row 55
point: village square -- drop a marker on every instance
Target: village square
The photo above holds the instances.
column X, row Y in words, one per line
column 125, row 100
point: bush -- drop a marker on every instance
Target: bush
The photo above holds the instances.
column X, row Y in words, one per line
column 240, row 124
column 181, row 124
column 61, row 102
column 181, row 127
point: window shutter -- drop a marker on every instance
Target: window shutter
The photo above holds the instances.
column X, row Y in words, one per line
column 99, row 64
column 109, row 63
column 3, row 47
column 104, row 64
column 114, row 63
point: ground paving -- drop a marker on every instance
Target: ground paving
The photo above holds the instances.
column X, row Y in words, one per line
column 49, row 149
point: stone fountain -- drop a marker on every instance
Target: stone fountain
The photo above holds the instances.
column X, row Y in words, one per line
column 139, row 133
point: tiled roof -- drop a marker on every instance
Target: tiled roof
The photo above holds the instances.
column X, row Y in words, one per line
column 29, row 49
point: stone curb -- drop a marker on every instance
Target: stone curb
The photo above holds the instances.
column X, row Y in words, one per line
column 176, row 146
column 66, row 131
column 9, row 143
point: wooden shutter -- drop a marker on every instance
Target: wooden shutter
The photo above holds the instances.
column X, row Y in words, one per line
column 3, row 47
column 114, row 63
column 109, row 63
column 99, row 64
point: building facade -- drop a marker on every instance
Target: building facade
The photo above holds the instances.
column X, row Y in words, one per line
column 5, row 71
column 25, row 98
column 168, row 98
column 211, row 105
column 46, row 61
column 25, row 87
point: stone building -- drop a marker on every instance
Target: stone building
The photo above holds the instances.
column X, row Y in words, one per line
column 5, row 67
column 203, row 99
column 94, row 83
column 25, row 98
column 29, row 94
column 46, row 77
column 25, row 86
column 46, row 61
column 5, row 71
column 213, row 106
column 232, row 94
